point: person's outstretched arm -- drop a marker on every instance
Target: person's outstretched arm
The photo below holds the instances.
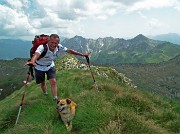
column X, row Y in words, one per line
column 33, row 59
column 77, row 53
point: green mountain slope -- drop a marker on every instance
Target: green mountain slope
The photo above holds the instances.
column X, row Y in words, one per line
column 162, row 78
column 12, row 76
column 115, row 108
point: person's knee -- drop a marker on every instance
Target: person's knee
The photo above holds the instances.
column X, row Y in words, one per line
column 53, row 82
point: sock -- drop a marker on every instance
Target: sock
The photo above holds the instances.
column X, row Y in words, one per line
column 55, row 98
column 46, row 93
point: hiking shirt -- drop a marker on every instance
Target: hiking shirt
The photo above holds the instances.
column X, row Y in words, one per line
column 46, row 62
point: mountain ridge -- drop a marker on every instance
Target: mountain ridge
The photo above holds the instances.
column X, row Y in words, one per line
column 140, row 49
column 115, row 108
column 109, row 50
column 162, row 78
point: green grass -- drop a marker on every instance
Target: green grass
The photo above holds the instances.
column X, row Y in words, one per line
column 115, row 109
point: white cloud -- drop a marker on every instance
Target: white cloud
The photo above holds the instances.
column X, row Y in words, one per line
column 127, row 2
column 15, row 4
column 155, row 23
column 79, row 9
column 12, row 22
column 152, row 23
column 23, row 17
column 101, row 10
column 142, row 15
column 149, row 4
column 65, row 17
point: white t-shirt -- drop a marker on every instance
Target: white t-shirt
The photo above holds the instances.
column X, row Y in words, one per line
column 45, row 63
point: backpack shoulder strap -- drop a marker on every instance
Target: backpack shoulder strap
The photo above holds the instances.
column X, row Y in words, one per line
column 44, row 52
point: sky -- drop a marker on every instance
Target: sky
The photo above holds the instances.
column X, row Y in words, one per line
column 23, row 19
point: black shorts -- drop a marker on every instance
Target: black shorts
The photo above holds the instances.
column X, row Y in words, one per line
column 40, row 75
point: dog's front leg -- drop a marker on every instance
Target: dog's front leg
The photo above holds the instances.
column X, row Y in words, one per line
column 69, row 126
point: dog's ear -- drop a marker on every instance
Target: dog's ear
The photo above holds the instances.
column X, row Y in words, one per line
column 73, row 103
column 68, row 101
column 58, row 101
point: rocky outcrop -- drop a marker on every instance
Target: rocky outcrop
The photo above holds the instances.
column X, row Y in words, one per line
column 113, row 74
column 69, row 62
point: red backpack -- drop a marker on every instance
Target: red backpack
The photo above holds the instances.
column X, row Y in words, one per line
column 39, row 40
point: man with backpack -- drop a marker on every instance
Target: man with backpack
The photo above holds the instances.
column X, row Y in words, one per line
column 45, row 64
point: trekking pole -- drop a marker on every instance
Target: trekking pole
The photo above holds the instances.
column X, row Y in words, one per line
column 87, row 59
column 23, row 95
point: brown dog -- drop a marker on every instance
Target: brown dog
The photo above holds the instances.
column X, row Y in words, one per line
column 66, row 109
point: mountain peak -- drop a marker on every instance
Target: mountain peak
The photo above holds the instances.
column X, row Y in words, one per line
column 140, row 37
column 79, row 37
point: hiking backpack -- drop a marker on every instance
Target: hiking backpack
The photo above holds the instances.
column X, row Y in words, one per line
column 39, row 40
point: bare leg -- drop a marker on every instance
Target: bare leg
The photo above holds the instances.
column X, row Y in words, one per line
column 53, row 87
column 43, row 87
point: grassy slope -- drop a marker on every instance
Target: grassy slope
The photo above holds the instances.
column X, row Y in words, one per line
column 115, row 109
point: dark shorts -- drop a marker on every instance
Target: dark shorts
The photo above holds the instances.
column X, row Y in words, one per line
column 40, row 75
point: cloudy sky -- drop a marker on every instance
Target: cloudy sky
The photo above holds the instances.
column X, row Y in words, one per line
column 88, row 18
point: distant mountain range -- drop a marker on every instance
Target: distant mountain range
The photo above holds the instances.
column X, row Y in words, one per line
column 11, row 48
column 170, row 37
column 115, row 50
column 104, row 50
